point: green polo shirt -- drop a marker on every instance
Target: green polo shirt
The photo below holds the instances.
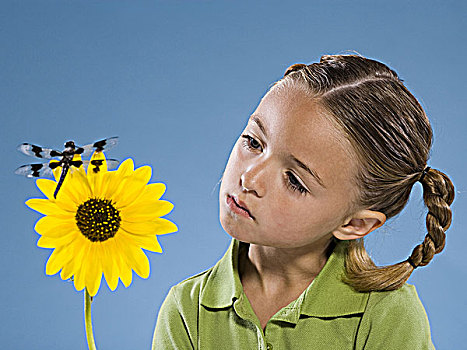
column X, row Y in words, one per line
column 211, row 311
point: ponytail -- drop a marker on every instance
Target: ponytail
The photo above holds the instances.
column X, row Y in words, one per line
column 438, row 195
column 361, row 272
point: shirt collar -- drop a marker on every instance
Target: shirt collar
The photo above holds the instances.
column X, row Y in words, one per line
column 326, row 296
column 223, row 285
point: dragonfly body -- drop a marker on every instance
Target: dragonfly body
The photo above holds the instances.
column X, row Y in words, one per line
column 66, row 159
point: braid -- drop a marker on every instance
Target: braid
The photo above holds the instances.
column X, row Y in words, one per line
column 438, row 195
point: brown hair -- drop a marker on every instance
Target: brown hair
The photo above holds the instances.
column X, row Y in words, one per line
column 391, row 138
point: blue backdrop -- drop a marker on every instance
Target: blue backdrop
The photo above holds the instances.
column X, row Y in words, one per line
column 176, row 81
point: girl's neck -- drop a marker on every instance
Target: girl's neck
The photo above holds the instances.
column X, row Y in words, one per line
column 273, row 269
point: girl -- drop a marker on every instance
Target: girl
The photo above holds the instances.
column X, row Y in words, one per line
column 331, row 152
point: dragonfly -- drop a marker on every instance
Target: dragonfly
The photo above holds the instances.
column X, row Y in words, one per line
column 67, row 160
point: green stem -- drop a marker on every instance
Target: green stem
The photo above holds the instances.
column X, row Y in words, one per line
column 88, row 320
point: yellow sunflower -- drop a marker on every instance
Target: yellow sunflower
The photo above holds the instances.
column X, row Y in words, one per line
column 100, row 222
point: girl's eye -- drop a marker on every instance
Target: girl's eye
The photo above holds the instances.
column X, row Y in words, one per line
column 291, row 181
column 250, row 143
column 294, row 184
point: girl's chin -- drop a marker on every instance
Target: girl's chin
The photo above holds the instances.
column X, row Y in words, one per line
column 239, row 236
column 247, row 238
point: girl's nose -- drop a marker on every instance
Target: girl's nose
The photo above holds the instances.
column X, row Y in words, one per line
column 253, row 180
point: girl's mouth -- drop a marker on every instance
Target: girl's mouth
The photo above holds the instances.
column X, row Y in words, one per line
column 234, row 205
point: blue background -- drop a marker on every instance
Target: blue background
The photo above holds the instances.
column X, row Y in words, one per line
column 176, row 81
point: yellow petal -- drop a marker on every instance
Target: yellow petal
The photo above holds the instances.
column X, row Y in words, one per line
column 146, row 211
column 47, row 187
column 152, row 192
column 53, row 264
column 135, row 257
column 54, row 242
column 93, row 270
column 138, row 228
column 67, row 271
column 59, row 258
column 141, row 262
column 81, row 265
column 75, row 189
column 109, row 267
column 145, row 242
column 100, row 168
column 54, row 227
column 109, row 185
column 80, row 186
column 66, row 200
column 73, row 169
column 57, row 171
column 95, row 171
column 68, row 252
column 157, row 227
column 117, row 265
column 165, row 226
column 113, row 179
column 132, row 187
column 48, row 207
column 124, row 268
column 126, row 273
column 126, row 168
column 45, row 242
column 78, row 280
column 79, row 249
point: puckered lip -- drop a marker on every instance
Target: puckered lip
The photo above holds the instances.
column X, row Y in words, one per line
column 240, row 204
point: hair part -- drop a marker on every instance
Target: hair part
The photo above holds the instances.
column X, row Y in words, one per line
column 391, row 138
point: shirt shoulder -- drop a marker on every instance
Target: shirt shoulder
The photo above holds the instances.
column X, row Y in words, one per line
column 395, row 320
column 189, row 289
column 214, row 286
column 404, row 299
column 176, row 325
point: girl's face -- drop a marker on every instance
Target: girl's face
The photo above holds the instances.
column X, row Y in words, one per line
column 289, row 206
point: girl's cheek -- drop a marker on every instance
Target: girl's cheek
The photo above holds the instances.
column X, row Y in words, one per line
column 279, row 214
column 239, row 152
column 234, row 161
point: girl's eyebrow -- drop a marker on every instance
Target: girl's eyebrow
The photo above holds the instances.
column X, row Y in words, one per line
column 314, row 174
column 256, row 119
column 311, row 172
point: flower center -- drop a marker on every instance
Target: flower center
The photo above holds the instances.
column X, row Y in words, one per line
column 97, row 219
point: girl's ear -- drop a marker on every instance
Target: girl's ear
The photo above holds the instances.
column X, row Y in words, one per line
column 359, row 225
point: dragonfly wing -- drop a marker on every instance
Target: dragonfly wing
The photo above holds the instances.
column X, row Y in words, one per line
column 35, row 170
column 38, row 151
column 95, row 165
column 76, row 163
column 98, row 146
column 112, row 164
column 106, row 144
